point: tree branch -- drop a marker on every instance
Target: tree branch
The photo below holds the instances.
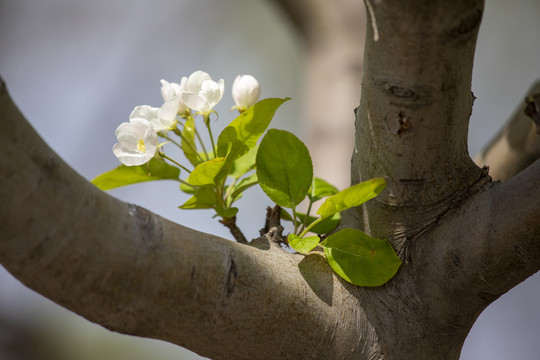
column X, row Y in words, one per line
column 515, row 147
column 485, row 245
column 413, row 118
column 134, row 272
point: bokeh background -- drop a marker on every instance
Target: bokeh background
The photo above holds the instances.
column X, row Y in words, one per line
column 77, row 68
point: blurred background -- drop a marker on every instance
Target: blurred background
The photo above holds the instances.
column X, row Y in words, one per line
column 77, row 68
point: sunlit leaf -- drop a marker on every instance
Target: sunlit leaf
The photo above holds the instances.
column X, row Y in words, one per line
column 205, row 172
column 227, row 213
column 284, row 168
column 361, row 259
column 155, row 169
column 303, row 245
column 244, row 163
column 243, row 185
column 321, row 188
column 188, row 189
column 204, row 198
column 248, row 127
column 352, row 196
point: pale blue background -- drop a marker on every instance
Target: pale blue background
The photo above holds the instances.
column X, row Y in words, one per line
column 77, row 68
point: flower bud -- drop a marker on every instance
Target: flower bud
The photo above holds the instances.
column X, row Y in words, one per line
column 245, row 91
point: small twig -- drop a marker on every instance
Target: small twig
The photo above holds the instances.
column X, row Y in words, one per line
column 230, row 223
column 533, row 110
column 272, row 225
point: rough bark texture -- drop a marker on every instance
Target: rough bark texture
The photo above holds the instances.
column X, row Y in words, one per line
column 464, row 240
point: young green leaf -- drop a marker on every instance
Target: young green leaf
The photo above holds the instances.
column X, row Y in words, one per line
column 244, row 163
column 248, row 127
column 303, row 245
column 187, row 188
column 188, row 142
column 205, row 172
column 352, row 196
column 321, row 188
column 243, row 185
column 361, row 259
column 204, row 198
column 284, row 168
column 227, row 213
column 155, row 169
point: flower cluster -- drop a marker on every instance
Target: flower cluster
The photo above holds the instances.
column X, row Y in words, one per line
column 198, row 94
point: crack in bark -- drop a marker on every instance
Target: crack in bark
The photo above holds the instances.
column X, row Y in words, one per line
column 231, row 277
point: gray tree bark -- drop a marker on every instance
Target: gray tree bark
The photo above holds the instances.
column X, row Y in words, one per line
column 464, row 239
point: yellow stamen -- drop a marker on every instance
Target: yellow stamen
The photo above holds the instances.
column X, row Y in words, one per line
column 140, row 146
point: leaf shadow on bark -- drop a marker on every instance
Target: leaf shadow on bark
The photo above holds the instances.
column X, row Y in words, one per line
column 317, row 273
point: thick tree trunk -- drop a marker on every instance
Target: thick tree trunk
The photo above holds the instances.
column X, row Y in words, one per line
column 463, row 239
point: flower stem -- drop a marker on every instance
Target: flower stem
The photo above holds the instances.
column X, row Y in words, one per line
column 162, row 154
column 207, row 123
column 190, row 144
column 202, row 144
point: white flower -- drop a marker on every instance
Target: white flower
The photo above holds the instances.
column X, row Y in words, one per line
column 245, row 91
column 172, row 95
column 162, row 119
column 137, row 142
column 201, row 93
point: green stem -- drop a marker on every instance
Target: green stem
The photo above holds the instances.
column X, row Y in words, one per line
column 202, row 144
column 170, row 139
column 207, row 123
column 306, row 219
column 190, row 144
column 294, row 219
column 162, row 154
column 229, row 190
column 310, row 226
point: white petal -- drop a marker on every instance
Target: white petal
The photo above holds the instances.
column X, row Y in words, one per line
column 151, row 142
column 143, row 123
column 128, row 135
column 194, row 101
column 193, row 83
column 167, row 114
column 145, row 112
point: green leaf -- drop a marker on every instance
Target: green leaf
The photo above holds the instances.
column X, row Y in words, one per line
column 325, row 226
column 244, row 163
column 188, row 142
column 155, row 169
column 361, row 259
column 204, row 198
column 205, row 172
column 284, row 168
column 248, row 127
column 321, row 188
column 243, row 185
column 227, row 213
column 233, row 154
column 188, row 189
column 303, row 245
column 352, row 196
